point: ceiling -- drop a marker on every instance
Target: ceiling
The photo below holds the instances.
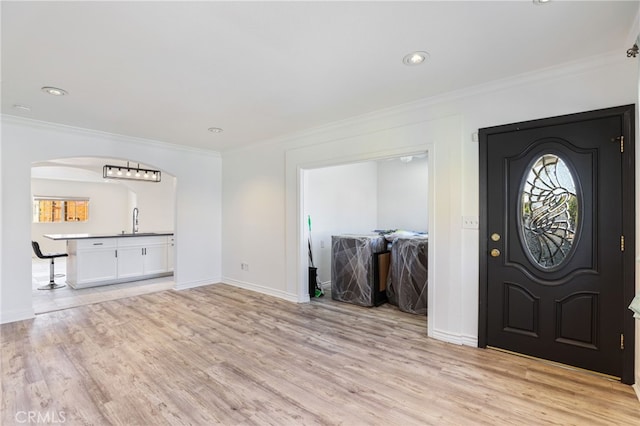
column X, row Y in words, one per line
column 169, row 71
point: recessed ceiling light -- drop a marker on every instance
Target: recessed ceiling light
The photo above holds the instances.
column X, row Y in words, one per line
column 415, row 58
column 215, row 130
column 22, row 107
column 54, row 91
column 540, row 1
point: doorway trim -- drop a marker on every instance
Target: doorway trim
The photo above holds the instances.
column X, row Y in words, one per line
column 301, row 229
column 453, row 250
column 628, row 222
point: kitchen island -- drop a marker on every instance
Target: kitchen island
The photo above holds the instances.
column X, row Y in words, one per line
column 102, row 259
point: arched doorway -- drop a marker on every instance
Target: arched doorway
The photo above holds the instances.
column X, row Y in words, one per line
column 109, row 207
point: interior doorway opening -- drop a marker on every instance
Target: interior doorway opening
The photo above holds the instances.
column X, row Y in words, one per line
column 108, row 210
column 369, row 204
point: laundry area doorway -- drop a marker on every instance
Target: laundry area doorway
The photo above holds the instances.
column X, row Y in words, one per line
column 366, row 227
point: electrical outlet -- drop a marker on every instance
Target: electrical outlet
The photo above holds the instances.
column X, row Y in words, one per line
column 321, row 243
column 470, row 222
column 244, row 266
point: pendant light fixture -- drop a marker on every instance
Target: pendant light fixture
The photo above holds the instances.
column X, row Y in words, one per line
column 110, row 171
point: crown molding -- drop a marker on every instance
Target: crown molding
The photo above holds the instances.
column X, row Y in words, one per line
column 557, row 71
column 634, row 32
column 7, row 118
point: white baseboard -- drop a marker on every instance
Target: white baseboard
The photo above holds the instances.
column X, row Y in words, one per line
column 16, row 315
column 265, row 290
column 455, row 338
column 469, row 340
column 636, row 388
column 193, row 284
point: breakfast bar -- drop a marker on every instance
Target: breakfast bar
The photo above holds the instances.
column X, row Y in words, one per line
column 102, row 259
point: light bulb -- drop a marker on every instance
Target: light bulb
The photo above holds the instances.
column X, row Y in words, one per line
column 415, row 58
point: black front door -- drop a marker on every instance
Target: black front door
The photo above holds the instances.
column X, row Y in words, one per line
column 556, row 206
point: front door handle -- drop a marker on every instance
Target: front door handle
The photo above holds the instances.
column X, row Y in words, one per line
column 495, row 252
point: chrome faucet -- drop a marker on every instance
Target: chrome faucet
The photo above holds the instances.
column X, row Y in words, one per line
column 135, row 220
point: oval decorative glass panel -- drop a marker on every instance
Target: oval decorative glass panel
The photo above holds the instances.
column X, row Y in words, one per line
column 548, row 211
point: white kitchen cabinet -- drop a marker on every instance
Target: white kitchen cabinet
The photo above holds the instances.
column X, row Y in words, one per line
column 91, row 261
column 130, row 262
column 155, row 259
column 101, row 261
column 142, row 256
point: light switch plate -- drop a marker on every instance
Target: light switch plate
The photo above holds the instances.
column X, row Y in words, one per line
column 470, row 222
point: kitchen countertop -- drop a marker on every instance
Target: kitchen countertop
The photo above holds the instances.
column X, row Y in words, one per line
column 87, row 236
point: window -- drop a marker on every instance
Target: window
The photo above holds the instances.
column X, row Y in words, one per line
column 549, row 211
column 60, row 209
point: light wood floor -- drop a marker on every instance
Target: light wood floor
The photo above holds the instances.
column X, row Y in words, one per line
column 222, row 355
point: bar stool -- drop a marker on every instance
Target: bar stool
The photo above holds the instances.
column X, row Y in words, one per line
column 52, row 284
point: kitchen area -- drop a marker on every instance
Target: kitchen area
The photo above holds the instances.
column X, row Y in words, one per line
column 114, row 235
column 96, row 260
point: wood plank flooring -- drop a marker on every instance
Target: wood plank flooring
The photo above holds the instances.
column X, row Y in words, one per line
column 222, row 355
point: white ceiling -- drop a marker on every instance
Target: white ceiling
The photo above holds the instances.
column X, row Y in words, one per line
column 168, row 71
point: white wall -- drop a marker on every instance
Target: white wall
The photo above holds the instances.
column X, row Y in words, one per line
column 340, row 200
column 442, row 126
column 156, row 205
column 402, row 194
column 104, row 217
column 197, row 201
column 253, row 212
